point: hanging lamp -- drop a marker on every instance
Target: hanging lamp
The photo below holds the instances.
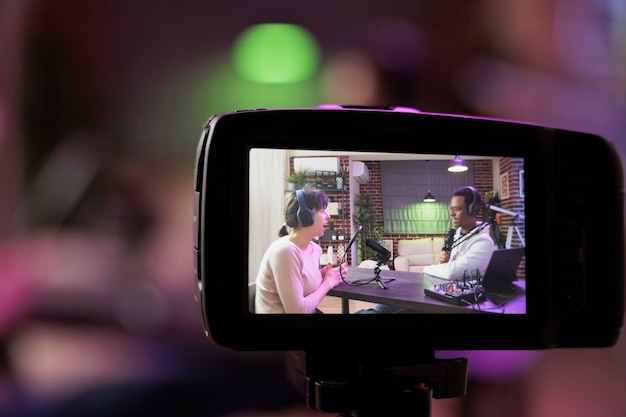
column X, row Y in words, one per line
column 457, row 165
column 428, row 198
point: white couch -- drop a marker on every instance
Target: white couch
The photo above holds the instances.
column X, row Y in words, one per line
column 415, row 254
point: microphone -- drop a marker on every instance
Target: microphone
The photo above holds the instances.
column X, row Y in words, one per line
column 345, row 252
column 447, row 245
column 358, row 230
column 382, row 253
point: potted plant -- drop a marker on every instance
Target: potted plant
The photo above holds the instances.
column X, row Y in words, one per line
column 330, row 233
column 301, row 179
column 298, row 178
column 292, row 181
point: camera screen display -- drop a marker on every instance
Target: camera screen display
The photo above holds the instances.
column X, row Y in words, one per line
column 416, row 232
column 320, row 227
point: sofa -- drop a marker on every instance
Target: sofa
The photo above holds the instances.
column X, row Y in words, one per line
column 415, row 254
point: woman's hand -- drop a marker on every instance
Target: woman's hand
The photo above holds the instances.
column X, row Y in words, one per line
column 333, row 275
column 324, row 270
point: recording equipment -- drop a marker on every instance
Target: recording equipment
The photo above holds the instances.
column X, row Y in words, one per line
column 566, row 253
column 457, row 292
column 472, row 289
column 381, row 258
column 447, row 244
column 305, row 216
column 474, row 207
column 504, row 211
column 353, row 239
column 513, row 228
column 382, row 253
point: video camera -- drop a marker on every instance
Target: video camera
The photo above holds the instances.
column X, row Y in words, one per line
column 574, row 263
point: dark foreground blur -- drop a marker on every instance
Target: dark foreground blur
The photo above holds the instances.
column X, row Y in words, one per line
column 101, row 104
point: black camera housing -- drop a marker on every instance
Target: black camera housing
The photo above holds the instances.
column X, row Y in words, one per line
column 574, row 243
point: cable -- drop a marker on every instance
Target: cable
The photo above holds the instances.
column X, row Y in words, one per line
column 469, row 234
column 358, row 284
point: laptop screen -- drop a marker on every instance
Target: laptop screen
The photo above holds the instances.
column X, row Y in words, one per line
column 502, row 269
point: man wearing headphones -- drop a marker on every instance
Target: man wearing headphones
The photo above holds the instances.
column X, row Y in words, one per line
column 468, row 250
column 472, row 246
column 290, row 279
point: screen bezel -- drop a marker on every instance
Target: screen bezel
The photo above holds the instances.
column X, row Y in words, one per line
column 225, row 297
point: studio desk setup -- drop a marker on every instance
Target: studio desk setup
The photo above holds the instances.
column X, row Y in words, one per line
column 424, row 293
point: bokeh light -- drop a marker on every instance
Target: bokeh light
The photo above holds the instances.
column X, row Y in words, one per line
column 276, row 53
column 172, row 117
column 349, row 78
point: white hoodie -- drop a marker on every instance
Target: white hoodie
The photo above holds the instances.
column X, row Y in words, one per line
column 470, row 252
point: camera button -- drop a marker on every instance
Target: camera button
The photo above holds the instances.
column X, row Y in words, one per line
column 196, row 220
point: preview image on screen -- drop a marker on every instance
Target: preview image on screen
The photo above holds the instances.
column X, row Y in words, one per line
column 338, row 232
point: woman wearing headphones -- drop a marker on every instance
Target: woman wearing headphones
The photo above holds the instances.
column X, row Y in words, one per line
column 290, row 279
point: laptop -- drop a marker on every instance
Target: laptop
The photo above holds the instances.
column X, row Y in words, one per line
column 502, row 269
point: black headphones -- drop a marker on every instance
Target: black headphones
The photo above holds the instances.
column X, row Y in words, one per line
column 474, row 207
column 305, row 216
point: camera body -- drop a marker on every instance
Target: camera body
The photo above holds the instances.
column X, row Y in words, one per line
column 574, row 283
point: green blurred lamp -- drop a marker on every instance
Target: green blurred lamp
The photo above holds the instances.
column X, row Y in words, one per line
column 276, row 53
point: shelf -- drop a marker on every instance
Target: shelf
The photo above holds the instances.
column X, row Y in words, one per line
column 345, row 240
column 333, row 189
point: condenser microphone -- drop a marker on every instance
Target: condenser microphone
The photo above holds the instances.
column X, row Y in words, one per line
column 447, row 244
column 382, row 253
column 358, row 230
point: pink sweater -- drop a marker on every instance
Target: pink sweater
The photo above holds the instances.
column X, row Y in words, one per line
column 287, row 275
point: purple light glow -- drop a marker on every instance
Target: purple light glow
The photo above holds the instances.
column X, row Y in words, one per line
column 399, row 46
column 497, row 365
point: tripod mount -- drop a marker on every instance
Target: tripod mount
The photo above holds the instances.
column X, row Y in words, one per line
column 376, row 278
column 376, row 385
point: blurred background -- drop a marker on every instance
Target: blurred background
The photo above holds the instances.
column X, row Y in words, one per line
column 101, row 107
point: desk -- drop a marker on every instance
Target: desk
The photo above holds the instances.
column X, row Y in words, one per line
column 407, row 290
